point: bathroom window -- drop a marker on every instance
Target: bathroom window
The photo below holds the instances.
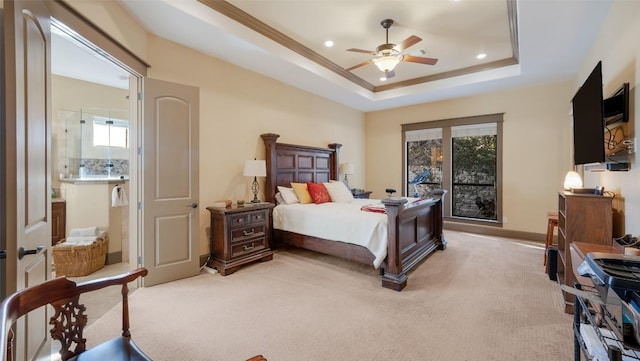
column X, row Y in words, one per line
column 110, row 132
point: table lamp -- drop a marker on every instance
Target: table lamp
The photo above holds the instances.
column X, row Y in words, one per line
column 572, row 180
column 255, row 168
column 346, row 169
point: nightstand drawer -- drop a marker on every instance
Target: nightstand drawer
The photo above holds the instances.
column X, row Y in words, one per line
column 241, row 249
column 258, row 217
column 242, row 234
column 362, row 195
column 239, row 219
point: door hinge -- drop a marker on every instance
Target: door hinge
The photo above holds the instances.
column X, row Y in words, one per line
column 140, row 260
column 139, row 205
column 139, row 150
column 140, row 96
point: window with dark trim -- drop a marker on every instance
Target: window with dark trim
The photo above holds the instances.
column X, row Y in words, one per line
column 462, row 156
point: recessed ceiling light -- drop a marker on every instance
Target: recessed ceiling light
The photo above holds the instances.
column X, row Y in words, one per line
column 328, row 43
column 481, row 56
column 383, row 78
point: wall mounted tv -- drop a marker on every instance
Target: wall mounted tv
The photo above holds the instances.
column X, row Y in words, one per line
column 588, row 120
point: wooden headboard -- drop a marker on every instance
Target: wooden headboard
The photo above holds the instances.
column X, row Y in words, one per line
column 287, row 163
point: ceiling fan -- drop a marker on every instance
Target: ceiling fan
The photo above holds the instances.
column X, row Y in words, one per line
column 388, row 55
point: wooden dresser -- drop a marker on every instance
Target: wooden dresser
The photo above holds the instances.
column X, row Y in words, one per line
column 584, row 218
column 239, row 234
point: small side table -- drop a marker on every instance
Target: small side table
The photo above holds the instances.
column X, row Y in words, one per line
column 239, row 235
column 363, row 195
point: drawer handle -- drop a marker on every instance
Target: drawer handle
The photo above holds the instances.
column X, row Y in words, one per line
column 249, row 233
column 246, row 248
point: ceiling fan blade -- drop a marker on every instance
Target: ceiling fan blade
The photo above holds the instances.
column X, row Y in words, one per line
column 362, row 51
column 417, row 59
column 412, row 40
column 359, row 65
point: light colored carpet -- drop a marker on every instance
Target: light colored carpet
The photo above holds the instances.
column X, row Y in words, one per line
column 483, row 298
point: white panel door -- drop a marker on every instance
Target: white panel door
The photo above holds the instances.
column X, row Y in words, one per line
column 26, row 165
column 169, row 161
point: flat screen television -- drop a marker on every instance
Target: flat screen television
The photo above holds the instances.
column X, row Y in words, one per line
column 588, row 120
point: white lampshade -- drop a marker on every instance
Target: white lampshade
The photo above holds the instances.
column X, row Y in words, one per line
column 386, row 63
column 346, row 168
column 255, row 168
column 572, row 180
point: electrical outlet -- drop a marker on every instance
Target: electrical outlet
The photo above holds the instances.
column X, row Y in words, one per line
column 505, row 219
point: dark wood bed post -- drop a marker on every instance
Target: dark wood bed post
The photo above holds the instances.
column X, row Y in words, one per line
column 393, row 276
column 270, row 140
column 335, row 161
column 440, row 194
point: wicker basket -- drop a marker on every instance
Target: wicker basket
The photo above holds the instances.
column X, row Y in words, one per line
column 79, row 260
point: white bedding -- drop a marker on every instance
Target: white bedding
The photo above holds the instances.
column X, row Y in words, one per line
column 343, row 222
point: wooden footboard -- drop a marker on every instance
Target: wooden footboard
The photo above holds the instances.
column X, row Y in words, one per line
column 414, row 230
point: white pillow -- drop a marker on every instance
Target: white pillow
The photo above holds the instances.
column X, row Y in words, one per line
column 288, row 195
column 279, row 199
column 339, row 192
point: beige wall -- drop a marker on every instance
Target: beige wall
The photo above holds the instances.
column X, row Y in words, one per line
column 619, row 50
column 535, row 146
column 115, row 21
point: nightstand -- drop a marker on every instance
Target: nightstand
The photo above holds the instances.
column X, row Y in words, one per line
column 239, row 235
column 364, row 195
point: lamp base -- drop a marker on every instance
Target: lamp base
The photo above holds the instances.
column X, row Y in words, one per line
column 254, row 189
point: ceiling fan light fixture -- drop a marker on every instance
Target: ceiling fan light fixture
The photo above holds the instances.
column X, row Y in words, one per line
column 386, row 63
column 388, row 55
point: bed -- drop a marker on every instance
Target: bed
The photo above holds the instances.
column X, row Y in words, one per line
column 414, row 230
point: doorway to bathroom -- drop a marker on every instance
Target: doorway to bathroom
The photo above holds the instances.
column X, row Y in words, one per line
column 162, row 234
column 90, row 156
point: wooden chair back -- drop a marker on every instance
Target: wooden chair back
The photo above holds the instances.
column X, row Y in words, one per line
column 69, row 318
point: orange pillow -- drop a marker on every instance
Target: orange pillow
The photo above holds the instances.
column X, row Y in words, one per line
column 319, row 193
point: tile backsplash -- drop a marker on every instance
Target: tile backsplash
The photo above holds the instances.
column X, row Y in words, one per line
column 98, row 167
